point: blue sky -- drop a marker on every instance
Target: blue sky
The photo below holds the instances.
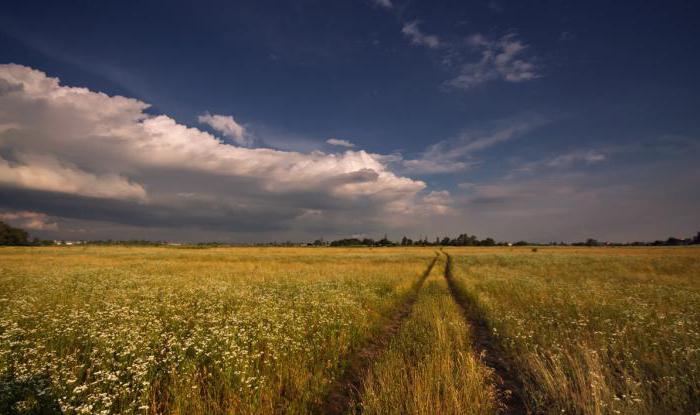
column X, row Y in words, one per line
column 542, row 121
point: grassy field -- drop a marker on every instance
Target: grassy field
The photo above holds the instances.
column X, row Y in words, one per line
column 189, row 330
column 429, row 367
column 593, row 331
column 274, row 330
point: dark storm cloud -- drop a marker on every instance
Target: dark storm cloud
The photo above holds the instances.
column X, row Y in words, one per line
column 197, row 215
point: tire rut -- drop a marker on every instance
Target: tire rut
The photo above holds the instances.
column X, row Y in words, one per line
column 339, row 399
column 508, row 385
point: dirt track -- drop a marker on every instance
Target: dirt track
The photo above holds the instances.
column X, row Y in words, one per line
column 339, row 398
column 509, row 387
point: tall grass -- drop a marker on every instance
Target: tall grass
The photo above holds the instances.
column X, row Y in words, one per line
column 597, row 331
column 100, row 330
column 429, row 367
column 155, row 330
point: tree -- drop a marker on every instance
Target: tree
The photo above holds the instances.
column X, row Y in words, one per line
column 12, row 236
column 461, row 240
column 445, row 241
column 674, row 241
column 347, row 242
column 488, row 242
column 696, row 240
column 385, row 241
column 592, row 242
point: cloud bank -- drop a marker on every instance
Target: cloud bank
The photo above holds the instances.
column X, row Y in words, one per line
column 75, row 153
column 32, row 221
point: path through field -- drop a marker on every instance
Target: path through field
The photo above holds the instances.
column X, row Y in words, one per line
column 339, row 398
column 482, row 341
column 434, row 357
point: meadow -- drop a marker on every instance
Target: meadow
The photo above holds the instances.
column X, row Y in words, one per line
column 176, row 330
column 592, row 331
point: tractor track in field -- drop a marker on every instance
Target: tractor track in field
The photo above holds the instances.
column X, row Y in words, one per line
column 508, row 386
column 339, row 399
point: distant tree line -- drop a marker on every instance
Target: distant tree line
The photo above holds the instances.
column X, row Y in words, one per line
column 465, row 239
column 462, row 240
column 16, row 236
column 358, row 242
column 672, row 241
column 422, row 241
column 129, row 242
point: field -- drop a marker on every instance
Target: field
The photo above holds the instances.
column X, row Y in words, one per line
column 179, row 330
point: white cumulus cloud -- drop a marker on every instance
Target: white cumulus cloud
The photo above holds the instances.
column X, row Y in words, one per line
column 39, row 172
column 84, row 154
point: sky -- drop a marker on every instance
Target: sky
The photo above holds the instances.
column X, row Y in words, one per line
column 252, row 121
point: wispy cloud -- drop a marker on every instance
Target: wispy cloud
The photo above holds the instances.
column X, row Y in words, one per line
column 564, row 161
column 500, row 59
column 339, row 142
column 383, row 3
column 449, row 156
column 605, row 202
column 495, row 6
column 588, row 157
column 226, row 125
column 417, row 37
column 426, row 165
column 478, row 59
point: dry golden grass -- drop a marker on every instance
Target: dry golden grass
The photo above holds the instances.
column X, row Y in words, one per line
column 167, row 330
column 429, row 367
column 268, row 330
column 594, row 331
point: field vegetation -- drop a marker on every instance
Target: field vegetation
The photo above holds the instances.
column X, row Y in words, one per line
column 430, row 367
column 593, row 331
column 175, row 330
column 157, row 330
